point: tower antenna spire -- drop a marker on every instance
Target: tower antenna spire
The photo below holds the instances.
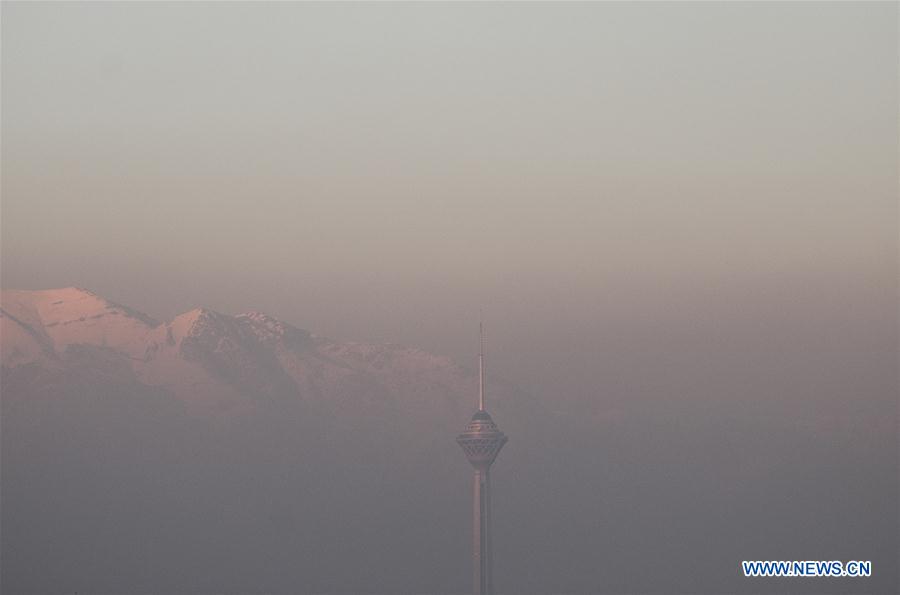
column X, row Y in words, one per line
column 480, row 365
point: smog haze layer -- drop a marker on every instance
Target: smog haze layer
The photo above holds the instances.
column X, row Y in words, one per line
column 679, row 221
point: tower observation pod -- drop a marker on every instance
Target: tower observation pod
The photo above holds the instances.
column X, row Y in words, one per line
column 481, row 442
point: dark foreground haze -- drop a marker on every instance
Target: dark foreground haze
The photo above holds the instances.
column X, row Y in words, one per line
column 680, row 220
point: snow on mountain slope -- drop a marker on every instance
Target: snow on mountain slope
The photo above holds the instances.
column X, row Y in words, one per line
column 213, row 361
column 56, row 318
column 24, row 341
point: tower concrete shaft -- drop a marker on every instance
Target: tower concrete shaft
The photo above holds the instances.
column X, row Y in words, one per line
column 482, row 567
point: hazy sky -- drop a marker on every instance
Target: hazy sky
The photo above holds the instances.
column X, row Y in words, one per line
column 382, row 171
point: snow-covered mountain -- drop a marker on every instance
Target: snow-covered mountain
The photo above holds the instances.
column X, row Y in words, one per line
column 214, row 362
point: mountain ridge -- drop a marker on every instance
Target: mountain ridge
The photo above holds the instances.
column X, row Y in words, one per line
column 221, row 363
